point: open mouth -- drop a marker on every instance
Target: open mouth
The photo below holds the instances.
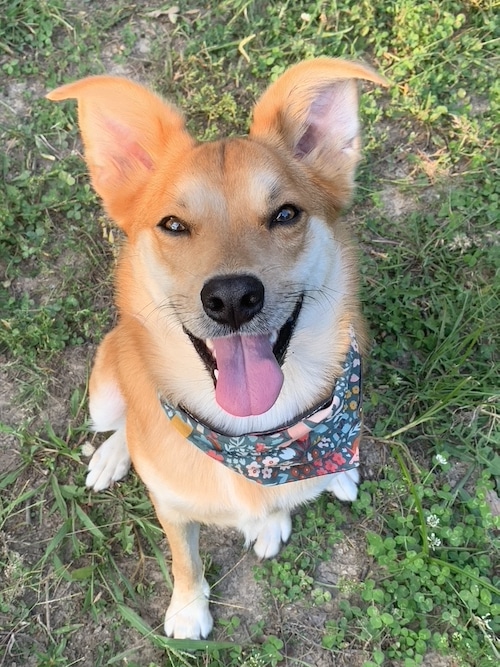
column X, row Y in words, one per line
column 246, row 370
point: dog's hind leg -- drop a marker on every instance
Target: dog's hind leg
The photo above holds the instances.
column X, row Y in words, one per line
column 344, row 485
column 267, row 535
column 111, row 461
column 275, row 532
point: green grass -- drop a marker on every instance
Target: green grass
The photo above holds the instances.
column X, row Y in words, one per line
column 426, row 214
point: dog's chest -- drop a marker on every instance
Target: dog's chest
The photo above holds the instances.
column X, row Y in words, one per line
column 222, row 497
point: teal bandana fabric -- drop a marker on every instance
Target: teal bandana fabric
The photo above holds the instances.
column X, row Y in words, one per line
column 324, row 442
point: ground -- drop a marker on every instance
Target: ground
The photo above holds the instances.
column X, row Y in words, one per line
column 408, row 574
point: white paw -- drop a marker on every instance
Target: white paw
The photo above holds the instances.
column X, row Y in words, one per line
column 189, row 617
column 344, row 485
column 110, row 463
column 275, row 531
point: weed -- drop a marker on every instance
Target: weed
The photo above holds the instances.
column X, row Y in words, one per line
column 291, row 576
column 435, row 583
column 29, row 25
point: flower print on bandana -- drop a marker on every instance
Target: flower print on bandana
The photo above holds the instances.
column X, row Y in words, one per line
column 324, row 442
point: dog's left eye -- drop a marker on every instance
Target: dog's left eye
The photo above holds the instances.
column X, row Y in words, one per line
column 173, row 225
column 285, row 215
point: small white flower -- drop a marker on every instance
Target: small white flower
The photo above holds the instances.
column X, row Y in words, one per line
column 305, row 17
column 434, row 541
column 442, row 460
column 87, row 449
column 432, row 521
column 460, row 242
column 486, row 620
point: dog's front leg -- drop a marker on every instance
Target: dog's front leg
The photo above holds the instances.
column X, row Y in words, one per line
column 187, row 616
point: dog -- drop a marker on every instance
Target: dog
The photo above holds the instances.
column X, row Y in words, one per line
column 232, row 378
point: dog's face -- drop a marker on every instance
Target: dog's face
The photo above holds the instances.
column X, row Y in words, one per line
column 235, row 262
column 240, row 258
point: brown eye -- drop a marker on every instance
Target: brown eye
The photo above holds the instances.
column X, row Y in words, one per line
column 173, row 225
column 285, row 215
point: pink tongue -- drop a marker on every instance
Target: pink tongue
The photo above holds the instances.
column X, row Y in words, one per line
column 250, row 378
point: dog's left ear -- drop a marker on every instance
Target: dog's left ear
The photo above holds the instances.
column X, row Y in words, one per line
column 127, row 131
column 311, row 111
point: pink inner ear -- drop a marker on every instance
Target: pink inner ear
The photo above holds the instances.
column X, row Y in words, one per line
column 115, row 157
column 332, row 119
column 121, row 146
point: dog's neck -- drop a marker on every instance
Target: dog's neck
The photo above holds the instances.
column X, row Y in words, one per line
column 324, row 441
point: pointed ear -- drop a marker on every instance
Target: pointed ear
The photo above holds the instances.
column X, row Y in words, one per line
column 126, row 131
column 312, row 112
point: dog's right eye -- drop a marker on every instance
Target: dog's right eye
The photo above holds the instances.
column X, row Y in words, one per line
column 173, row 225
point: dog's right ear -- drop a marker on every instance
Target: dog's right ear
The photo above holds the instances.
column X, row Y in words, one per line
column 126, row 131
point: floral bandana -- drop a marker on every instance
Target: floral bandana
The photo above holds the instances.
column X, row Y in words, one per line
column 322, row 443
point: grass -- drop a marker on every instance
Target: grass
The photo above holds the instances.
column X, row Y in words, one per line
column 424, row 530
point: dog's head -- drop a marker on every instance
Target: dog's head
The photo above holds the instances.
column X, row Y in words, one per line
column 234, row 263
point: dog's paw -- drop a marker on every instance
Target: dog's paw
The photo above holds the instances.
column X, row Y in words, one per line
column 275, row 531
column 189, row 617
column 110, row 463
column 344, row 485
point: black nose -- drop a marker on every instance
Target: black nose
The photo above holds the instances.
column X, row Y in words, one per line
column 233, row 299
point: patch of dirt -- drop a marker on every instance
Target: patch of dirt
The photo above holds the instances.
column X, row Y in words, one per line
column 12, row 415
column 70, row 372
column 396, row 203
column 16, row 98
column 302, row 625
column 348, row 563
column 373, row 456
column 435, row 660
column 235, row 591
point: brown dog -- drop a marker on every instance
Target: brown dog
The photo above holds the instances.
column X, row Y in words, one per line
column 237, row 294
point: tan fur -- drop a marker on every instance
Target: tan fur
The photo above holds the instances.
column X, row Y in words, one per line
column 303, row 149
